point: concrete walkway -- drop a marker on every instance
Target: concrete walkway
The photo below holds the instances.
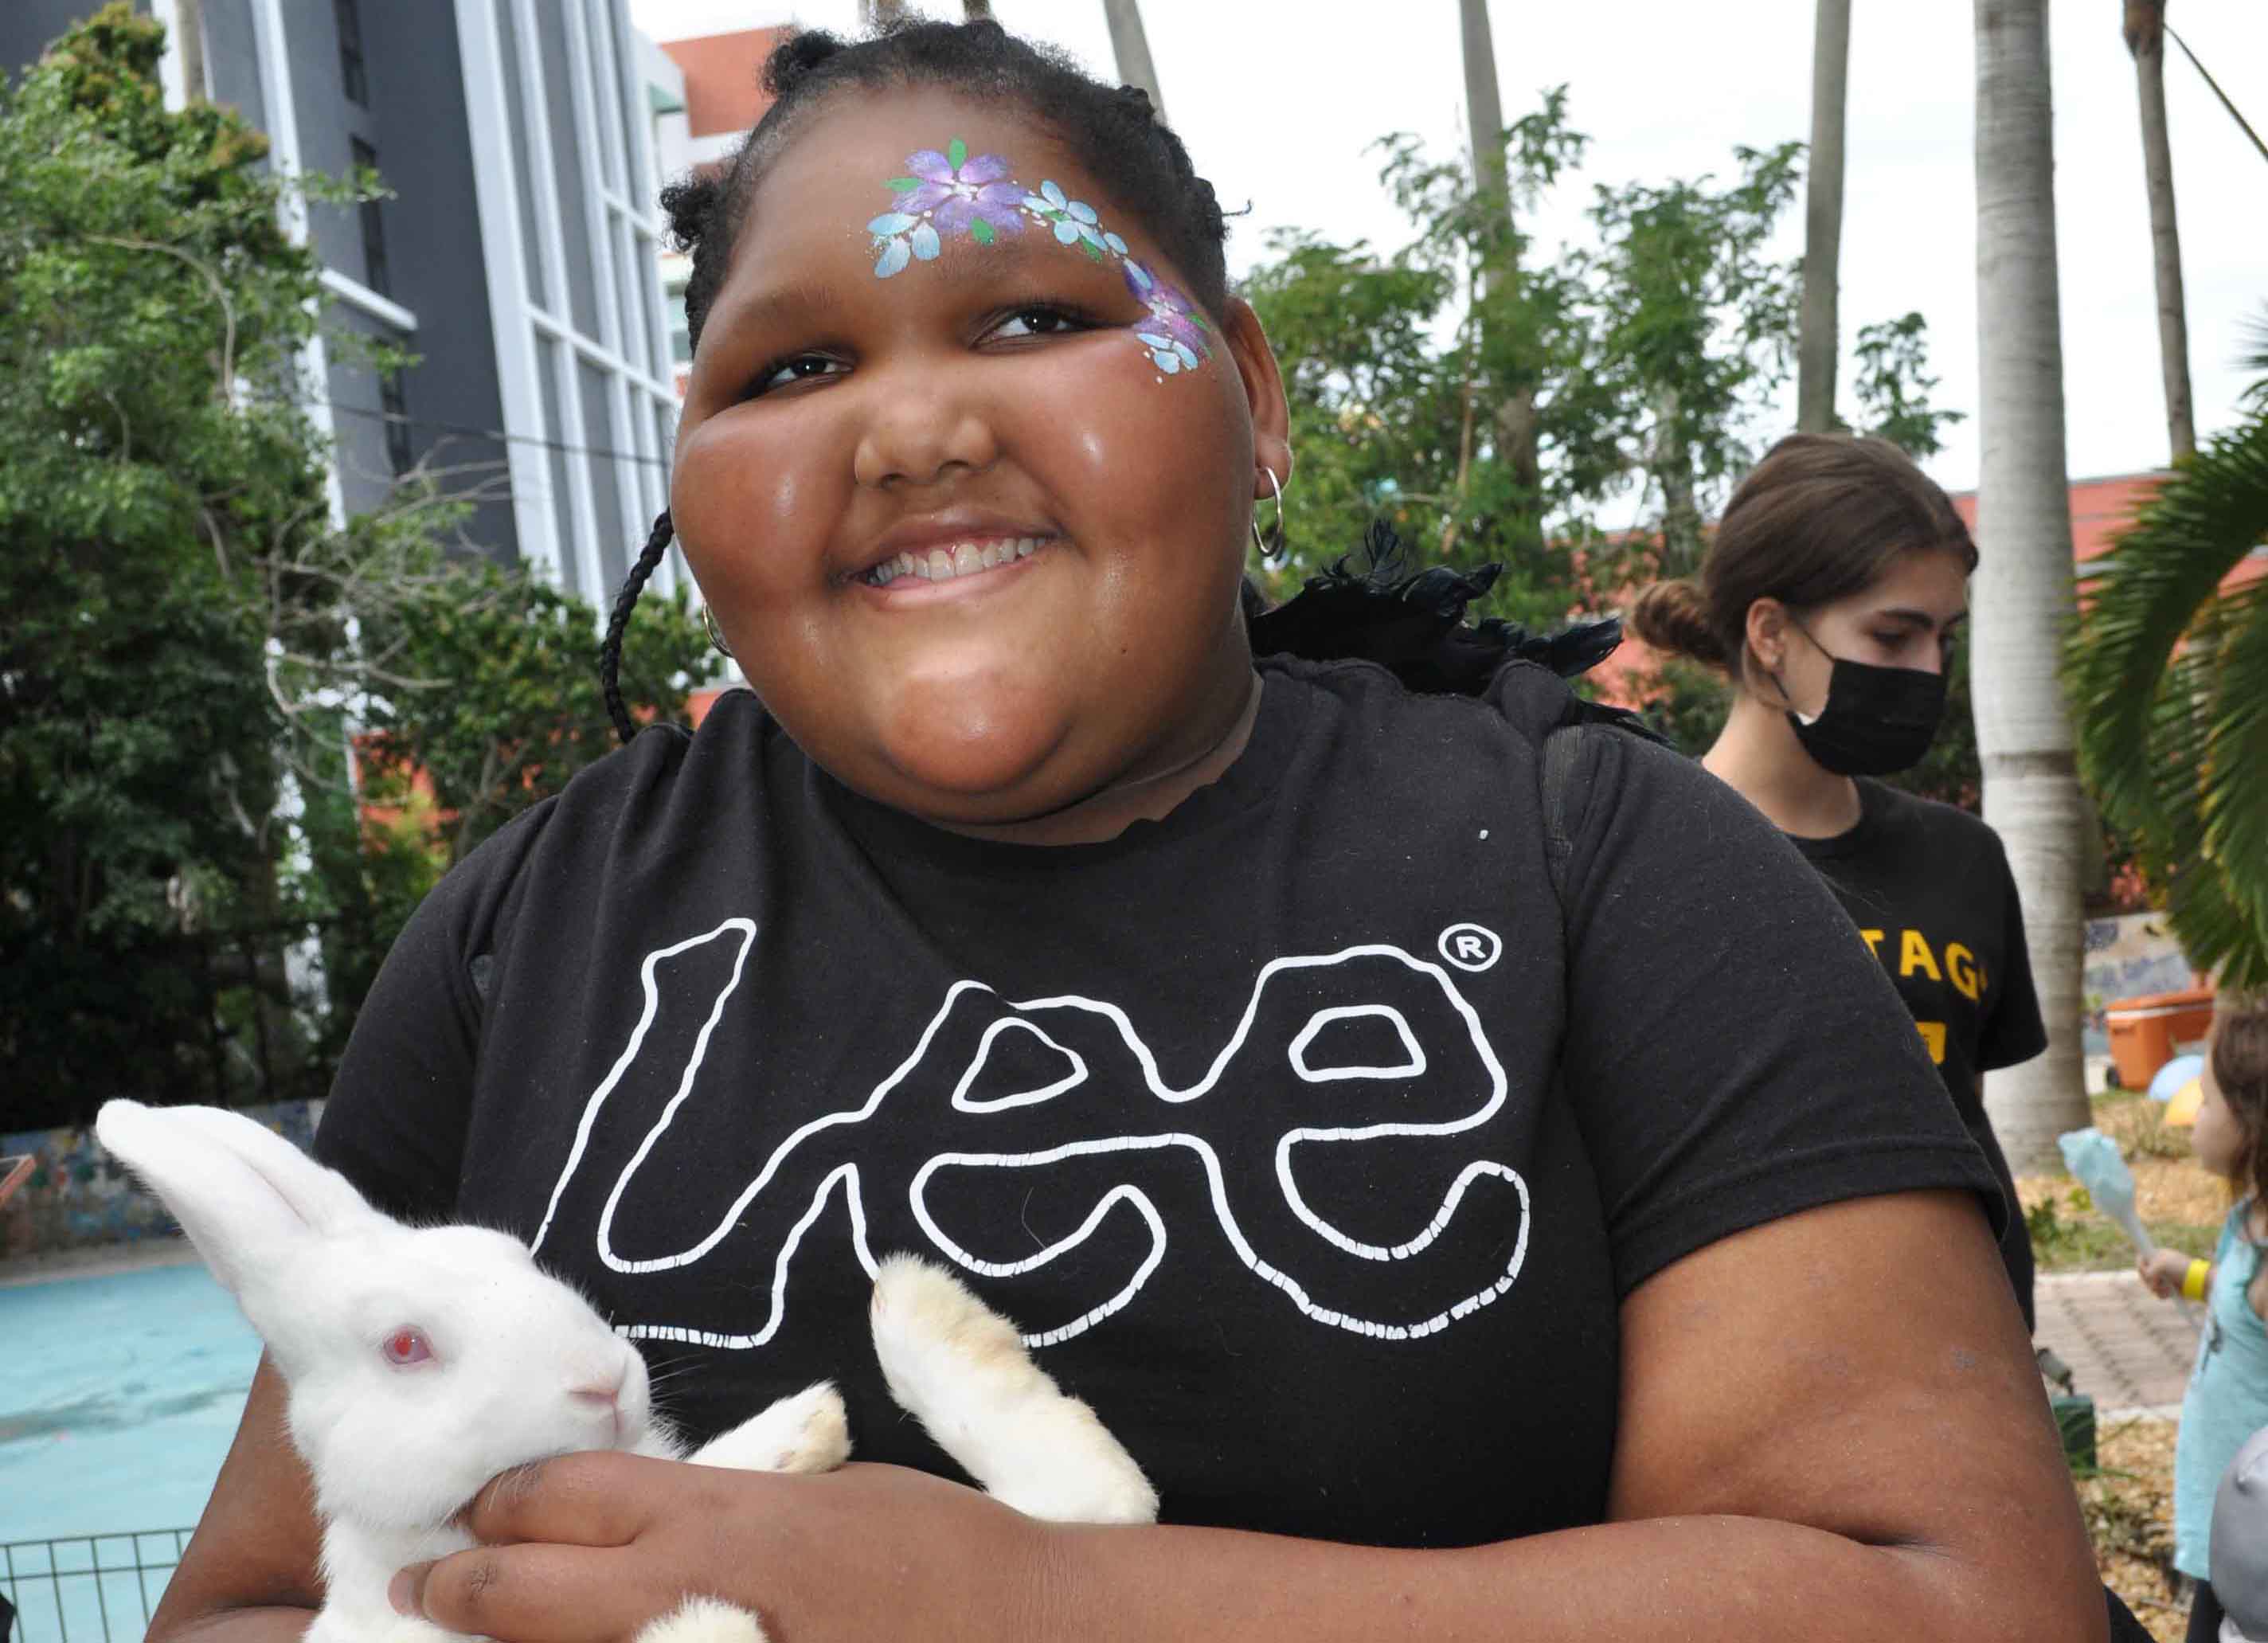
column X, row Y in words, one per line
column 2128, row 1351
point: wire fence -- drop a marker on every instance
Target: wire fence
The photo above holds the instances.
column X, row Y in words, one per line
column 87, row 1588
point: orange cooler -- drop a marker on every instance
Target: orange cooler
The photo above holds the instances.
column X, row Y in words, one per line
column 2145, row 1031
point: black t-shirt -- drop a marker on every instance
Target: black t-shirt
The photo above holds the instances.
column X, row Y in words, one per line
column 1305, row 1134
column 1930, row 889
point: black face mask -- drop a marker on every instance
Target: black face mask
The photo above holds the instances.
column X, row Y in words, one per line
column 1877, row 720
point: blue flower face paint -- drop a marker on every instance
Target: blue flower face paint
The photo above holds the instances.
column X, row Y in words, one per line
column 952, row 194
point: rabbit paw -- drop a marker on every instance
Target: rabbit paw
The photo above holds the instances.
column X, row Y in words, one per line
column 961, row 1370
column 703, row 1620
column 808, row 1431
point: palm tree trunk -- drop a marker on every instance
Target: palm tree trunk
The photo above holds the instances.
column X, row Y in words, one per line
column 1131, row 46
column 1819, row 340
column 2024, row 598
column 2146, row 38
column 1515, row 411
column 881, row 14
column 976, row 11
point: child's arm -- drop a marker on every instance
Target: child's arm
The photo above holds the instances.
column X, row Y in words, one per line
column 2168, row 1272
column 1830, row 1429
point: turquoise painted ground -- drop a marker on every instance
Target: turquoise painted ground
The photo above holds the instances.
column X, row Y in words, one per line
column 118, row 1398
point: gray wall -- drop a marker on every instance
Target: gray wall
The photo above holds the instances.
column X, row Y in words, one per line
column 28, row 27
column 433, row 240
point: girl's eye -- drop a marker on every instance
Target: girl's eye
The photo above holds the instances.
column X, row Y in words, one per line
column 407, row 1345
column 802, row 368
column 1038, row 321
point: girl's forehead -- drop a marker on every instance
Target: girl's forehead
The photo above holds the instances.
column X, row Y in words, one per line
column 860, row 141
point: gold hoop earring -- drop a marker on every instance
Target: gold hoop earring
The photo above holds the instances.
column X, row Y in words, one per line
column 1271, row 546
column 715, row 634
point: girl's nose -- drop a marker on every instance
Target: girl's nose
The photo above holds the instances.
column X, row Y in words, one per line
column 918, row 437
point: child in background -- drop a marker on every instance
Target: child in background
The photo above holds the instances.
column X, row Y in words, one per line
column 2227, row 1396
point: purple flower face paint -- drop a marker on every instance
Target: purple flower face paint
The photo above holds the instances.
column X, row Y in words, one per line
column 955, row 193
column 1176, row 334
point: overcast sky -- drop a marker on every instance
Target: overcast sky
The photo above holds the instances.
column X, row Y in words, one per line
column 1277, row 100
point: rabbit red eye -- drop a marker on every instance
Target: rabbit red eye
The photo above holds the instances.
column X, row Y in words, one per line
column 407, row 1347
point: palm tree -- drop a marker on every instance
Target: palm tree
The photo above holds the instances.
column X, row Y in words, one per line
column 1131, row 46
column 2145, row 39
column 1515, row 411
column 881, row 14
column 2023, row 587
column 1819, row 341
column 2169, row 673
column 976, row 11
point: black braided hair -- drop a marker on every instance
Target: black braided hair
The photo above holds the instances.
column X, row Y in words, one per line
column 610, row 649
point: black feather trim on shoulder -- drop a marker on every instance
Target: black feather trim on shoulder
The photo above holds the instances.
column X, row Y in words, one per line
column 1414, row 625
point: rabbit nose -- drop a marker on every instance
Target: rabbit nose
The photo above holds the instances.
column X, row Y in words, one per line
column 604, row 1391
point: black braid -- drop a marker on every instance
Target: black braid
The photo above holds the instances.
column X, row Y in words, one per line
column 610, row 650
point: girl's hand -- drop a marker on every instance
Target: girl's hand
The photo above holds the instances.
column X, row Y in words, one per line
column 2163, row 1269
column 587, row 1548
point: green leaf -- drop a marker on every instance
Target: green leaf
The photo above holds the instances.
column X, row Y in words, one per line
column 957, row 151
column 1093, row 252
column 903, row 185
column 981, row 232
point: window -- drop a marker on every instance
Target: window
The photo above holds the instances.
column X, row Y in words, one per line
column 391, row 401
column 681, row 328
column 373, row 227
column 351, row 79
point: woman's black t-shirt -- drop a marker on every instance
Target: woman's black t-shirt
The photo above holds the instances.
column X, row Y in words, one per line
column 1311, row 1134
column 1930, row 890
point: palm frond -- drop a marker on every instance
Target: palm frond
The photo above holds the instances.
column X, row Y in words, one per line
column 2143, row 600
column 2254, row 360
column 2233, row 780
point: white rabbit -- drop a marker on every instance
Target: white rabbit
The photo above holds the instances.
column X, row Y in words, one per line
column 420, row 1362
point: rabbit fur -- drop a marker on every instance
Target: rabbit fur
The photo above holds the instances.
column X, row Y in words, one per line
column 421, row 1361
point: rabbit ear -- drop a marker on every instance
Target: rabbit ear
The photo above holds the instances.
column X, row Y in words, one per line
column 244, row 1194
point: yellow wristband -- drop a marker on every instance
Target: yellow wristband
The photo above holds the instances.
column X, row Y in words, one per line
column 2193, row 1280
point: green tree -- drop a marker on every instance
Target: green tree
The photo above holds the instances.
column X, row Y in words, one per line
column 2167, row 671
column 523, row 711
column 188, row 636
column 1646, row 360
column 159, row 502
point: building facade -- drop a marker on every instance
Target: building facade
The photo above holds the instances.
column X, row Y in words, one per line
column 724, row 97
column 518, row 258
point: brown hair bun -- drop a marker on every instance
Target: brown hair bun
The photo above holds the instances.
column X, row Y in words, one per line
column 1673, row 617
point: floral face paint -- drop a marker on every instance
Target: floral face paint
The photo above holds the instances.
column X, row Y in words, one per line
column 952, row 194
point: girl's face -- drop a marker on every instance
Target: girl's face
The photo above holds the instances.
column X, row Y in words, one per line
column 2218, row 1139
column 1907, row 618
column 965, row 477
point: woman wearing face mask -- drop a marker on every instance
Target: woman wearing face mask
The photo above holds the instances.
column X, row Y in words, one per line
column 1831, row 595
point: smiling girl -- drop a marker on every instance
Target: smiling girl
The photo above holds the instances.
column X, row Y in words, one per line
column 1445, row 1136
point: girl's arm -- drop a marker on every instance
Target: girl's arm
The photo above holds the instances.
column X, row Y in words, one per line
column 2165, row 1270
column 249, row 1571
column 1831, row 1428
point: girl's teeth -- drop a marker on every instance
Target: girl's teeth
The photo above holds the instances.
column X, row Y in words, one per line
column 963, row 559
